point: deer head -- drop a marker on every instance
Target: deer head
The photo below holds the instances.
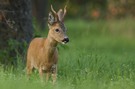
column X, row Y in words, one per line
column 56, row 25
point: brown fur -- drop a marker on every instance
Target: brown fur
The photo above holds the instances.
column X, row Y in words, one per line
column 42, row 56
column 42, row 52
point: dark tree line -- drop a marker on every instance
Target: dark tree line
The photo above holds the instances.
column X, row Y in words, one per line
column 15, row 28
column 39, row 7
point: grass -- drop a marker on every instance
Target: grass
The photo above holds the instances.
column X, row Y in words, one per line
column 100, row 55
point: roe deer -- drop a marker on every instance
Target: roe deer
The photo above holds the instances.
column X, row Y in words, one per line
column 42, row 52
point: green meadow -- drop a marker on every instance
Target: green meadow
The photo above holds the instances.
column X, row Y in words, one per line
column 100, row 55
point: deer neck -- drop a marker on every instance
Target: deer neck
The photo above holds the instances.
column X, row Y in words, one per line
column 50, row 47
column 50, row 42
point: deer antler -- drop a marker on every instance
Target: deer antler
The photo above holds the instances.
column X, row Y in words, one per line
column 65, row 11
column 53, row 10
column 55, row 14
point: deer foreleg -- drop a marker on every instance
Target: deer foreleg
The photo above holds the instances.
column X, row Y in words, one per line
column 41, row 74
column 54, row 73
column 47, row 76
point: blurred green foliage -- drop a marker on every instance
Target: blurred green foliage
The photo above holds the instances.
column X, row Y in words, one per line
column 97, row 9
column 82, row 8
column 9, row 57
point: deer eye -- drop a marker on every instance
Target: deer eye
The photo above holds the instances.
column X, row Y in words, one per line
column 57, row 30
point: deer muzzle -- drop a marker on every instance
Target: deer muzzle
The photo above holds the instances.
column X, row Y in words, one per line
column 65, row 40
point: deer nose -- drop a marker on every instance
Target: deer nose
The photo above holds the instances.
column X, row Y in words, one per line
column 65, row 40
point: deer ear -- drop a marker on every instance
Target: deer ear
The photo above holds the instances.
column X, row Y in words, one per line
column 61, row 14
column 51, row 18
